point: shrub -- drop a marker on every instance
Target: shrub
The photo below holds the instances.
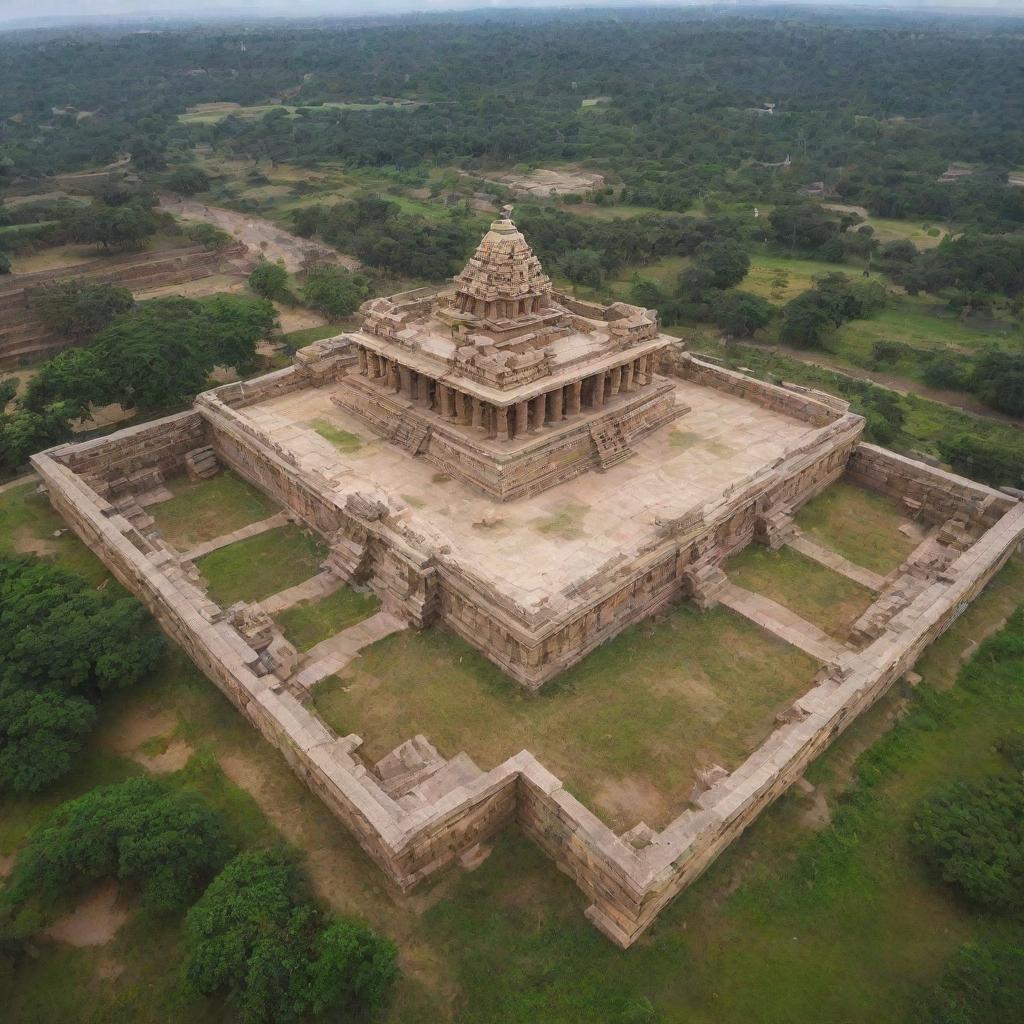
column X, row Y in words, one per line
column 970, row 835
column 164, row 839
column 334, row 291
column 354, row 968
column 270, row 280
column 187, row 181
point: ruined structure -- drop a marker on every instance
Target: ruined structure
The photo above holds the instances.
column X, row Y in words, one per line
column 494, row 401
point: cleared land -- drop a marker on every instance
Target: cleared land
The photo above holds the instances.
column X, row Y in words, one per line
column 249, row 570
column 306, row 624
column 858, row 524
column 784, row 928
column 625, row 729
column 204, row 509
column 213, row 113
column 818, row 594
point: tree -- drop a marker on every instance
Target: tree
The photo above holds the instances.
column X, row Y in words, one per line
column 999, row 381
column 235, row 324
column 741, row 314
column 162, row 838
column 255, row 937
column 24, row 432
column 78, row 308
column 805, row 321
column 726, row 262
column 582, row 266
column 334, row 291
column 5, row 263
column 970, row 835
column 983, row 983
column 64, row 646
column 270, row 280
column 187, row 181
column 354, row 968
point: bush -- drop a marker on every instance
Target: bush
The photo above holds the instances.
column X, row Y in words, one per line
column 144, row 831
column 741, row 314
column 971, row 835
column 254, row 937
column 999, row 381
column 209, row 236
column 5, row 263
column 65, row 644
column 996, row 463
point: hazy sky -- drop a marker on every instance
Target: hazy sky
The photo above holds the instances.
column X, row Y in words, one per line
column 15, row 10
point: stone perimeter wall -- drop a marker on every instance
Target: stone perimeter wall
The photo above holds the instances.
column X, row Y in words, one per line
column 628, row 886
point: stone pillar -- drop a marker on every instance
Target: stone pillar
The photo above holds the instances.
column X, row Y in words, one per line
column 424, row 390
column 575, row 391
column 598, row 400
column 638, row 372
column 615, row 377
column 522, row 417
column 649, row 366
column 501, row 422
column 405, row 380
column 555, row 413
column 462, row 411
column 361, row 353
column 394, row 382
column 627, row 378
column 478, row 420
column 539, row 412
column 444, row 400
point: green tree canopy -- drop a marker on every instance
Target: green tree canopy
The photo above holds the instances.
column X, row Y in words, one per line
column 77, row 308
column 334, row 291
column 270, row 280
column 162, row 838
column 62, row 645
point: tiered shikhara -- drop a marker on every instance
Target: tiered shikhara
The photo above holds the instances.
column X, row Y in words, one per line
column 503, row 382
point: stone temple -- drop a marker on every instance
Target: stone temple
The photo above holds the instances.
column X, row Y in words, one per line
column 534, row 474
column 503, row 383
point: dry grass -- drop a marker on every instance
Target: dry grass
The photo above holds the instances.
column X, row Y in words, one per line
column 625, row 730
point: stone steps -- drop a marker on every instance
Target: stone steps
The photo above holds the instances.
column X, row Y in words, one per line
column 612, row 447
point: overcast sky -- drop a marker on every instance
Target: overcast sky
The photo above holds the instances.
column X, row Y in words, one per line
column 17, row 10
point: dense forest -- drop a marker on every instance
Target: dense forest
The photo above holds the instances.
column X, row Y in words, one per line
column 878, row 109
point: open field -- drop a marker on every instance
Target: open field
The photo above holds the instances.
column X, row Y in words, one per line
column 56, row 256
column 858, row 524
column 213, row 113
column 818, row 594
column 203, row 509
column 702, row 689
column 781, row 278
column 784, row 929
column 309, row 622
column 251, row 569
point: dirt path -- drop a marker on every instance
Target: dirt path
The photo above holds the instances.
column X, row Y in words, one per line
column 260, row 236
column 95, row 921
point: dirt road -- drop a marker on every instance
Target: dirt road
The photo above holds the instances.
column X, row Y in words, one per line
column 258, row 235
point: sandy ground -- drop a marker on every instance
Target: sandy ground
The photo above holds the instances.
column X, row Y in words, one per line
column 95, row 921
column 260, row 236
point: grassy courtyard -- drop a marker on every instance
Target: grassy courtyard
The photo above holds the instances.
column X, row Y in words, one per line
column 306, row 624
column 818, row 594
column 797, row 923
column 203, row 509
column 858, row 524
column 625, row 729
column 251, row 569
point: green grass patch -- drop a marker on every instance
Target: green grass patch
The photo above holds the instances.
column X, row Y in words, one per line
column 29, row 526
column 204, row 509
column 307, row 335
column 251, row 569
column 306, row 624
column 343, row 440
column 564, row 522
column 858, row 524
column 816, row 593
column 626, row 728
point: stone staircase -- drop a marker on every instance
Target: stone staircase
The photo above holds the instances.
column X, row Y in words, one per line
column 415, row 775
column 411, row 435
column 201, row 463
column 610, row 442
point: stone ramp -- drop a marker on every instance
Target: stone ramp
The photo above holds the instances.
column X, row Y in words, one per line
column 334, row 653
column 781, row 622
column 244, row 533
column 833, row 560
